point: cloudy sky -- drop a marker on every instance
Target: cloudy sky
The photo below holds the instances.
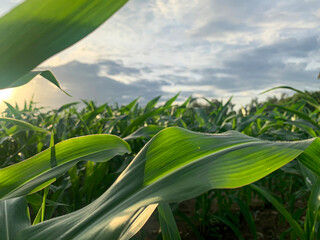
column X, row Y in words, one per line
column 211, row 48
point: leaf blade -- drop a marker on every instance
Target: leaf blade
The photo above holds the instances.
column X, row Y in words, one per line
column 19, row 179
column 44, row 28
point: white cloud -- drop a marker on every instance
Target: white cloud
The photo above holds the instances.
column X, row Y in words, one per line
column 210, row 47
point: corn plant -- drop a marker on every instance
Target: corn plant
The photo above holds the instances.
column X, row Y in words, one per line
column 174, row 165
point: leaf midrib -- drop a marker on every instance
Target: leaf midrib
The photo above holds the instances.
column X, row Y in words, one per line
column 6, row 219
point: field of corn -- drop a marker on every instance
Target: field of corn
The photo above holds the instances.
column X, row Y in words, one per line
column 279, row 206
column 157, row 171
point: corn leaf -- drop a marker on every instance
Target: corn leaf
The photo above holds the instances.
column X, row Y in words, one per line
column 312, row 212
column 20, row 179
column 23, row 125
column 36, row 30
column 137, row 221
column 31, row 75
column 175, row 165
column 14, row 216
column 169, row 229
column 295, row 226
column 146, row 132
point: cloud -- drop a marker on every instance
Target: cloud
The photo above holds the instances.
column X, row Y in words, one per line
column 284, row 62
column 209, row 47
column 82, row 81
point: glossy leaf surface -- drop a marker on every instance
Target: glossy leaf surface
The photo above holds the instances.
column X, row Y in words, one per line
column 21, row 178
column 36, row 30
column 175, row 165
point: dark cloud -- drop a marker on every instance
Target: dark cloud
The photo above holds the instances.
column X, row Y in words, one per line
column 116, row 68
column 218, row 28
column 265, row 66
column 171, row 79
column 82, row 82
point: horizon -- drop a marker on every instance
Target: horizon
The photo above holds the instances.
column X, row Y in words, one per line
column 204, row 48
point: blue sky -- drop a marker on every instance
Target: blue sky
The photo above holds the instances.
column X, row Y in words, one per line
column 210, row 48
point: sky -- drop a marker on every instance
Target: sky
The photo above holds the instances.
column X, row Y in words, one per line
column 204, row 48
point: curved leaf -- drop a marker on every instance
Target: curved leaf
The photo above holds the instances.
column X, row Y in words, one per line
column 14, row 216
column 31, row 75
column 137, row 221
column 175, row 165
column 23, row 124
column 36, row 30
column 169, row 229
column 146, row 132
column 21, row 178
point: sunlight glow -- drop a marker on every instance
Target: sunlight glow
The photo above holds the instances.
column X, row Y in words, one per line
column 5, row 94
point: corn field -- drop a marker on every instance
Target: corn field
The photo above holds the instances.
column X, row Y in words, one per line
column 89, row 171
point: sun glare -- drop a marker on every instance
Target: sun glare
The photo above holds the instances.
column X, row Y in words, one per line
column 5, row 94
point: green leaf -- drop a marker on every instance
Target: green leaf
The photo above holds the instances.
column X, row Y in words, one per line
column 312, row 212
column 171, row 100
column 67, row 106
column 150, row 105
column 139, row 120
column 310, row 157
column 19, row 179
column 146, row 132
column 13, row 110
column 298, row 113
column 31, row 75
column 169, row 229
column 36, row 30
column 40, row 215
column 36, row 200
column 248, row 216
column 14, row 216
column 175, row 165
column 281, row 209
column 43, row 185
column 132, row 104
column 303, row 95
column 137, row 221
column 23, row 125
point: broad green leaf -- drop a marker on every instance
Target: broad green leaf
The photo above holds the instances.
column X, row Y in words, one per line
column 14, row 216
column 175, row 165
column 19, row 179
column 36, row 30
column 169, row 229
column 310, row 157
column 23, row 124
column 31, row 75
column 281, row 209
column 137, row 221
